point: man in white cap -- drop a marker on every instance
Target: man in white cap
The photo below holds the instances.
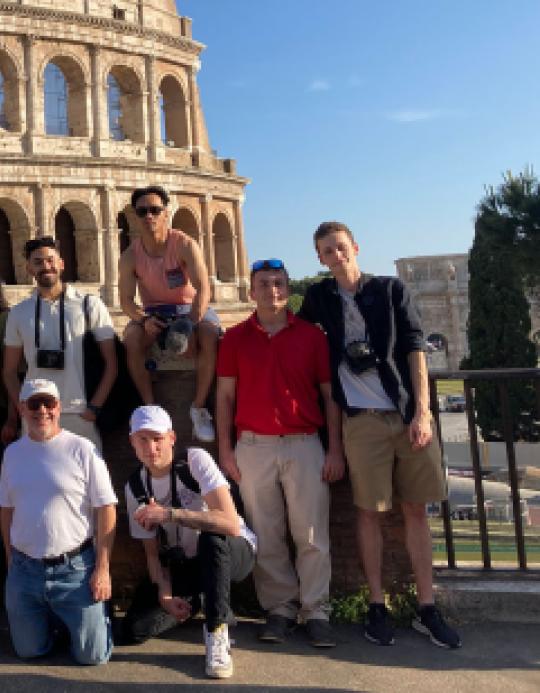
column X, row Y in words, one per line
column 58, row 520
column 193, row 538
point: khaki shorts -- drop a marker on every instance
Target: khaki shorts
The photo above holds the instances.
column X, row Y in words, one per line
column 382, row 463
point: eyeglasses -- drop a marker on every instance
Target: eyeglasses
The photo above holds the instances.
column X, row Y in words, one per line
column 272, row 263
column 35, row 403
column 154, row 210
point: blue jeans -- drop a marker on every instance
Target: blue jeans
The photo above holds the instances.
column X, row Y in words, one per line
column 36, row 594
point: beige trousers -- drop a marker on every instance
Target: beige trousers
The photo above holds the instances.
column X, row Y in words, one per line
column 281, row 485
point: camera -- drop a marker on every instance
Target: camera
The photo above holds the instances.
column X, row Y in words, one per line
column 50, row 358
column 175, row 335
column 360, row 357
column 171, row 556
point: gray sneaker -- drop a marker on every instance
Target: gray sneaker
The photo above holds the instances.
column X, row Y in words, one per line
column 320, row 633
column 276, row 628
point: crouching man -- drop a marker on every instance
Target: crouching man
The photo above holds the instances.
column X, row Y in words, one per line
column 193, row 538
column 58, row 521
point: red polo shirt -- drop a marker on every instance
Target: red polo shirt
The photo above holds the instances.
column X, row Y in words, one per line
column 277, row 377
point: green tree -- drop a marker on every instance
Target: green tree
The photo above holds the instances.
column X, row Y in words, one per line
column 499, row 321
column 295, row 302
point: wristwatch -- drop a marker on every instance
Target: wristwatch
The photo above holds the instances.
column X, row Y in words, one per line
column 94, row 409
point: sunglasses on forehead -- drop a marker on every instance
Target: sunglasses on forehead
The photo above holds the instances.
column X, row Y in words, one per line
column 35, row 403
column 154, row 210
column 272, row 263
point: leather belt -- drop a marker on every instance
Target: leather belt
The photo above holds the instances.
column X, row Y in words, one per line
column 58, row 560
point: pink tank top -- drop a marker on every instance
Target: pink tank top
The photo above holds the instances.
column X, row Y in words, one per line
column 163, row 280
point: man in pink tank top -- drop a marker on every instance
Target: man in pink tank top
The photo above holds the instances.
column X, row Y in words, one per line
column 168, row 268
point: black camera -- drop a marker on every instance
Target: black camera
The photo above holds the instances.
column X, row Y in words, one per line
column 171, row 556
column 50, row 358
column 360, row 357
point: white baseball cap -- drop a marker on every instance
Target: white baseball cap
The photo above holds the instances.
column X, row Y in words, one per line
column 38, row 386
column 150, row 418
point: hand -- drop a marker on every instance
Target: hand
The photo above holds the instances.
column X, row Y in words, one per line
column 153, row 326
column 227, row 463
column 177, row 607
column 151, row 515
column 420, row 432
column 88, row 415
column 333, row 468
column 100, row 584
column 9, row 432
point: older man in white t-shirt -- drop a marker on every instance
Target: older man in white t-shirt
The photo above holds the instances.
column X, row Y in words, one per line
column 193, row 538
column 58, row 516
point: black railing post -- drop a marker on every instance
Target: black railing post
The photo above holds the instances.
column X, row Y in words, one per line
column 445, row 506
column 512, row 473
column 478, row 487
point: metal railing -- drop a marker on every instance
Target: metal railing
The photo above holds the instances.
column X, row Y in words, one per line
column 502, row 377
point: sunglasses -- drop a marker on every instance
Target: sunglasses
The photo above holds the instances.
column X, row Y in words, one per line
column 35, row 403
column 154, row 210
column 272, row 263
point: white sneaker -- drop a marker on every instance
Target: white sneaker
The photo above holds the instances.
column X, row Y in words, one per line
column 203, row 426
column 219, row 663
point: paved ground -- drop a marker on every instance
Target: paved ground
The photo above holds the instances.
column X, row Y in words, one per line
column 495, row 658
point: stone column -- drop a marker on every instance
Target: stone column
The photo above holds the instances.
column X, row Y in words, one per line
column 111, row 249
column 193, row 103
column 206, row 231
column 241, row 254
column 97, row 98
column 41, row 195
column 152, row 103
column 28, row 45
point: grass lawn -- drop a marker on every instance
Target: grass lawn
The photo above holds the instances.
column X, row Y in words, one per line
column 450, row 387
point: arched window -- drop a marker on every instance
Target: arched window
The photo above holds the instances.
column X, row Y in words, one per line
column 65, row 235
column 174, row 131
column 7, row 270
column 123, row 226
column 114, row 97
column 4, row 125
column 56, row 101
column 224, row 249
column 186, row 222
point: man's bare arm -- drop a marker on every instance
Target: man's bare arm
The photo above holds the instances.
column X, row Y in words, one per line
column 334, row 464
column 6, row 517
column 196, row 269
column 225, row 409
column 100, row 581
column 420, row 432
column 160, row 576
column 127, row 285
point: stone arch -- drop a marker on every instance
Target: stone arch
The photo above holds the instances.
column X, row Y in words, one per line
column 185, row 220
column 173, row 118
column 125, row 221
column 15, row 225
column 10, row 116
column 437, row 350
column 65, row 107
column 224, row 248
column 77, row 232
column 125, row 104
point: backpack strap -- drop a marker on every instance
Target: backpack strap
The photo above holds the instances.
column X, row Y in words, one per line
column 183, row 473
column 137, row 488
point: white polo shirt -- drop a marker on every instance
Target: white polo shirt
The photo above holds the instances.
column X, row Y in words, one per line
column 20, row 331
column 53, row 488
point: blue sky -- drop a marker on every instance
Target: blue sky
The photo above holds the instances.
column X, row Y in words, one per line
column 390, row 116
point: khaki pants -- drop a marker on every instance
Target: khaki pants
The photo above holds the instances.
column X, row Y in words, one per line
column 281, row 483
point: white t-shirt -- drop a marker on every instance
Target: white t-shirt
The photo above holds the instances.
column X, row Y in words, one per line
column 53, row 487
column 209, row 477
column 20, row 331
column 364, row 391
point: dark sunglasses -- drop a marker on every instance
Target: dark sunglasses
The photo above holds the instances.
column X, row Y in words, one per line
column 35, row 403
column 154, row 210
column 272, row 263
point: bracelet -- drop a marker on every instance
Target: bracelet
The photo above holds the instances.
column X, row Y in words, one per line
column 171, row 515
column 94, row 409
column 142, row 320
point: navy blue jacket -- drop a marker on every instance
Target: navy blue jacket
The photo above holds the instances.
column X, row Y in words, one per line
column 393, row 325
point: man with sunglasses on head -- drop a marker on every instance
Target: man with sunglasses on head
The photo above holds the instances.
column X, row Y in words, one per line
column 168, row 268
column 58, row 517
column 47, row 329
column 272, row 369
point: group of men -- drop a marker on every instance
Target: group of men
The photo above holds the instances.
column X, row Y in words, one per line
column 351, row 362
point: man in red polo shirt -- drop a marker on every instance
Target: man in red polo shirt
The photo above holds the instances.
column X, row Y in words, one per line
column 272, row 368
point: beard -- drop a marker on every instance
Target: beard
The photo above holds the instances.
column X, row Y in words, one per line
column 48, row 279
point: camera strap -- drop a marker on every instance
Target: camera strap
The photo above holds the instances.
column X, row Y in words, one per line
column 62, row 322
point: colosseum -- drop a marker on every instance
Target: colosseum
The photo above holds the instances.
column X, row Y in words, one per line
column 98, row 98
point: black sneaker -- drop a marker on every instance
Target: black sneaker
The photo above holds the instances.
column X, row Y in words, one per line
column 430, row 622
column 276, row 628
column 378, row 627
column 320, row 633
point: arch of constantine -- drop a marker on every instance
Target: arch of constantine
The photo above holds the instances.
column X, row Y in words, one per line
column 98, row 98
